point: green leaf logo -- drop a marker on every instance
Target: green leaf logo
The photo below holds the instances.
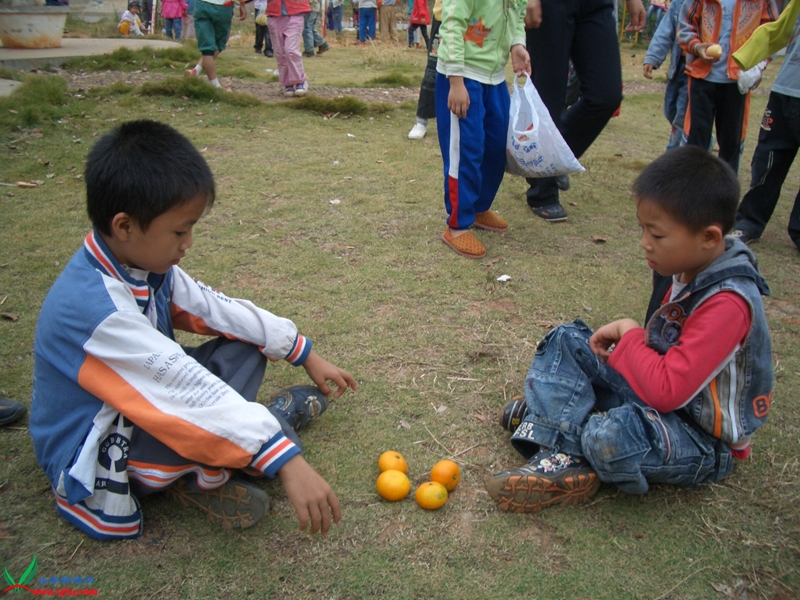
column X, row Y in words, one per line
column 29, row 574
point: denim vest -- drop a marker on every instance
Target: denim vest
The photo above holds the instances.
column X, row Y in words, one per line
column 736, row 401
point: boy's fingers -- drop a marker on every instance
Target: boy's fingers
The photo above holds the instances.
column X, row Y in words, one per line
column 336, row 508
column 316, row 518
column 302, row 515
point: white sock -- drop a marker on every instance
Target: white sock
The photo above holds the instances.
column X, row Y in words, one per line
column 423, row 122
column 215, row 82
column 198, row 68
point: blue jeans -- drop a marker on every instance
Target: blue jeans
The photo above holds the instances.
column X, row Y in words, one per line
column 585, row 408
column 338, row 13
column 311, row 37
column 366, row 24
column 176, row 24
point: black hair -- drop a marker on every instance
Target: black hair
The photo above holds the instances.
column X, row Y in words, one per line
column 693, row 186
column 143, row 168
column 134, row 3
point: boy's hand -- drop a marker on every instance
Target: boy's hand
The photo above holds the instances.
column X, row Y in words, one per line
column 321, row 372
column 310, row 494
column 647, row 70
column 608, row 335
column 637, row 12
column 520, row 60
column 700, row 52
column 458, row 98
column 533, row 14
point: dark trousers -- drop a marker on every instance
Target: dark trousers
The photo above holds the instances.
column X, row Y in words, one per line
column 778, row 142
column 242, row 367
column 262, row 37
column 717, row 106
column 426, row 105
column 423, row 29
column 585, row 31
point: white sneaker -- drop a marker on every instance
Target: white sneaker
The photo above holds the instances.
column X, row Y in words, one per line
column 417, row 132
column 301, row 89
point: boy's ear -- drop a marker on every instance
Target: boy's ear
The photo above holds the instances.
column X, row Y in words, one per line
column 713, row 235
column 121, row 226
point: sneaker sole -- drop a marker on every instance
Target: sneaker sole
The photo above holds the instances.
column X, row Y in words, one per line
column 532, row 493
column 231, row 506
column 459, row 252
column 545, row 217
column 490, row 228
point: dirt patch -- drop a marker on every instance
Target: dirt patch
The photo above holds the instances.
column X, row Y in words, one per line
column 272, row 92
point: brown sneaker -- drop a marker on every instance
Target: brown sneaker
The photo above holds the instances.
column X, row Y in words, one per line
column 466, row 244
column 491, row 221
column 235, row 505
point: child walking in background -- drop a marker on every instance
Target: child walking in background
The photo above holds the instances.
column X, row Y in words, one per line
column 420, row 19
column 129, row 22
column 286, row 22
column 665, row 42
column 120, row 410
column 262, row 29
column 472, row 106
column 366, row 20
column 212, row 24
column 677, row 400
column 173, row 12
column 715, row 102
column 426, row 104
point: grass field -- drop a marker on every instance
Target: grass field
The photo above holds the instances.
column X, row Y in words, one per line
column 436, row 342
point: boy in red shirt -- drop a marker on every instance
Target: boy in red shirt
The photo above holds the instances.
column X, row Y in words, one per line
column 676, row 400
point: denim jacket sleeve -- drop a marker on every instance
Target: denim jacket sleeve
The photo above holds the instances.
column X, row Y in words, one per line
column 664, row 37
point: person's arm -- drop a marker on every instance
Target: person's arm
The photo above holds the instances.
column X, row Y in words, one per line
column 608, row 335
column 709, row 338
column 533, row 14
column 637, row 12
column 321, row 371
column 689, row 28
column 661, row 44
column 520, row 60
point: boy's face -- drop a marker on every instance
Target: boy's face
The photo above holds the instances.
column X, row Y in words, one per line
column 134, row 9
column 670, row 247
column 164, row 243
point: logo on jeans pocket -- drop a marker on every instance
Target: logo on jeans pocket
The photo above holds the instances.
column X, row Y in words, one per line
column 766, row 120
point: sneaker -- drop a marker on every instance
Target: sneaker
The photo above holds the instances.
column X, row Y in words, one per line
column 289, row 90
column 10, row 411
column 551, row 213
column 491, row 221
column 323, row 49
column 308, row 54
column 550, row 478
column 512, row 413
column 744, row 236
column 190, row 72
column 258, row 50
column 466, row 244
column 235, row 505
column 269, row 53
column 301, row 89
column 299, row 405
column 562, row 181
column 418, row 131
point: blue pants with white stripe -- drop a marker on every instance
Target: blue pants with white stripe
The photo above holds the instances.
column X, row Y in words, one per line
column 473, row 149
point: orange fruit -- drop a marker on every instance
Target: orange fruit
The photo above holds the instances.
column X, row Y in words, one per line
column 431, row 495
column 392, row 460
column 447, row 473
column 393, row 485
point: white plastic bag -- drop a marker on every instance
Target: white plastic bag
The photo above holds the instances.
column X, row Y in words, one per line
column 534, row 146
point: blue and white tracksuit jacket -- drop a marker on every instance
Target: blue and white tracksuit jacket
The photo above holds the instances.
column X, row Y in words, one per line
column 105, row 358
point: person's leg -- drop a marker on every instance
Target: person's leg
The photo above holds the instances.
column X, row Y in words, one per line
column 392, row 20
column 177, row 25
column 549, row 47
column 259, row 44
column 277, row 27
column 268, row 51
column 634, row 445
column 168, row 27
column 410, row 34
column 424, row 30
column 681, row 101
column 293, row 31
column 372, row 23
column 383, row 15
column 496, row 103
column 565, row 383
column 730, row 122
column 338, row 13
column 774, row 154
column 318, row 40
column 362, row 27
column 426, row 104
column 308, row 35
column 700, row 110
column 188, row 29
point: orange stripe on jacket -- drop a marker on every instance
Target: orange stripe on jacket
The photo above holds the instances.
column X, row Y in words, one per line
column 190, row 441
column 717, row 409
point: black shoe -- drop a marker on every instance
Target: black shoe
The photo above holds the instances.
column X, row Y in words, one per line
column 744, row 236
column 308, row 54
column 562, row 181
column 235, row 505
column 258, row 50
column 299, row 405
column 551, row 213
column 550, row 478
column 513, row 413
column 323, row 49
column 269, row 53
column 10, row 411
